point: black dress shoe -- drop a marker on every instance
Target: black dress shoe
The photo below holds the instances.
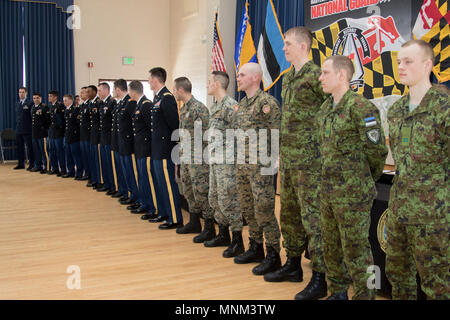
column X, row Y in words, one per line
column 102, row 189
column 127, row 202
column 117, row 195
column 68, row 176
column 170, row 225
column 43, row 171
column 133, row 206
column 90, row 184
column 158, row 219
column 123, row 198
column 110, row 192
column 139, row 211
column 19, row 167
column 59, row 174
column 78, row 178
column 54, row 172
column 36, row 170
column 84, row 178
column 29, row 168
column 149, row 216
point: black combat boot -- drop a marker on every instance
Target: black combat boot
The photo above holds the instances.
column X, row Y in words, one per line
column 338, row 296
column 221, row 240
column 208, row 233
column 271, row 262
column 193, row 226
column 255, row 253
column 316, row 288
column 236, row 247
column 291, row 271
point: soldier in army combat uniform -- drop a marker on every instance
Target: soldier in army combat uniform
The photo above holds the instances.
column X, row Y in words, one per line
column 223, row 196
column 300, row 167
column 258, row 111
column 417, row 226
column 193, row 171
column 353, row 153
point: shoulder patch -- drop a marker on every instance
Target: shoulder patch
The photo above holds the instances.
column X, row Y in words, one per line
column 266, row 109
column 236, row 107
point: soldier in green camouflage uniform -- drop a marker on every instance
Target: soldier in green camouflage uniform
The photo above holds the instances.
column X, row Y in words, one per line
column 193, row 171
column 418, row 219
column 353, row 154
column 300, row 166
column 223, row 196
column 257, row 111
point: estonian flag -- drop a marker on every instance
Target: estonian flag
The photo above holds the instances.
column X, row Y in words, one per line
column 270, row 49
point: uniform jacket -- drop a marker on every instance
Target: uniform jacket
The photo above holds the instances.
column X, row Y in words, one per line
column 40, row 121
column 106, row 109
column 164, row 120
column 261, row 111
column 85, row 121
column 95, row 106
column 125, row 128
column 72, row 118
column 142, row 128
column 23, row 117
column 299, row 137
column 193, row 111
column 420, row 148
column 115, row 122
column 57, row 125
column 353, row 148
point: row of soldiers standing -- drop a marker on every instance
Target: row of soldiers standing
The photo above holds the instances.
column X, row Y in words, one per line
column 332, row 152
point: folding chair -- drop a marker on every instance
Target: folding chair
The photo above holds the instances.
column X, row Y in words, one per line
column 7, row 135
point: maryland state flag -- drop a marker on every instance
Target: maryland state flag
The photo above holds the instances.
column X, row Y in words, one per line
column 432, row 25
column 372, row 43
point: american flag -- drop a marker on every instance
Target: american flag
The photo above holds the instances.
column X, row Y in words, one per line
column 217, row 59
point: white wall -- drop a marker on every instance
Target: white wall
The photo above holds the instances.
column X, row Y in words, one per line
column 174, row 34
column 113, row 29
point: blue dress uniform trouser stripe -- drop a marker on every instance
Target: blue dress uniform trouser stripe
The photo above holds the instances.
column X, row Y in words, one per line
column 85, row 156
column 121, row 183
column 145, row 187
column 130, row 178
column 167, row 190
column 107, row 169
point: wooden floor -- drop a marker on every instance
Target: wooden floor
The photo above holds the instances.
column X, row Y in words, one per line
column 49, row 223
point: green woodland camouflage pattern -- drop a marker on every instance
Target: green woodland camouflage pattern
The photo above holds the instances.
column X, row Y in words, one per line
column 195, row 177
column 353, row 154
column 256, row 191
column 300, row 164
column 418, row 220
column 222, row 178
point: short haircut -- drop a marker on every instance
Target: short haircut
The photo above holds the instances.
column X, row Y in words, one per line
column 93, row 88
column 136, row 86
column 37, row 94
column 222, row 78
column 105, row 84
column 54, row 93
column 302, row 34
column 184, row 83
column 342, row 63
column 426, row 48
column 23, row 88
column 84, row 88
column 77, row 96
column 68, row 95
column 159, row 73
column 121, row 84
